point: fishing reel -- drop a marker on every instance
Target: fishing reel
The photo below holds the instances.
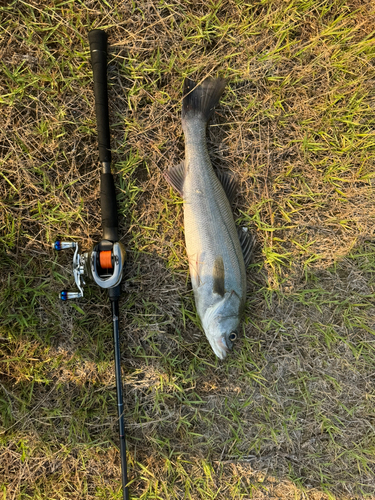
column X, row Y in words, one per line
column 104, row 265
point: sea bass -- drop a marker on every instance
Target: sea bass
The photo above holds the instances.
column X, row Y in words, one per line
column 217, row 252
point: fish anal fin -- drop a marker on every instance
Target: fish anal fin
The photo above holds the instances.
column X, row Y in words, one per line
column 219, row 276
column 247, row 242
column 229, row 183
column 175, row 176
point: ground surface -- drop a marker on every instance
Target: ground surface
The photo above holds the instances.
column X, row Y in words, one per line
column 291, row 413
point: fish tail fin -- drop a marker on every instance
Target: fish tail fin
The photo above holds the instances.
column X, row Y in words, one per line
column 200, row 101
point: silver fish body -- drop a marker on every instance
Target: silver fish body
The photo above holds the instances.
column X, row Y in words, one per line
column 216, row 261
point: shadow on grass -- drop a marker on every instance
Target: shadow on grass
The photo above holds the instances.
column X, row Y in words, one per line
column 294, row 400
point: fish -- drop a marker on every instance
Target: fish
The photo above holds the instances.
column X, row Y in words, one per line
column 218, row 253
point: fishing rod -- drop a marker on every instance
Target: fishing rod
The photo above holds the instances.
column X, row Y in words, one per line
column 105, row 263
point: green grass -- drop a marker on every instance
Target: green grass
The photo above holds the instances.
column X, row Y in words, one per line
column 290, row 414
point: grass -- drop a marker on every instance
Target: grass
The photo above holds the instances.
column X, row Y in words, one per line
column 290, row 414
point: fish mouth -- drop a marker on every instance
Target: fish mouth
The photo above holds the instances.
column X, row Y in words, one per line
column 220, row 348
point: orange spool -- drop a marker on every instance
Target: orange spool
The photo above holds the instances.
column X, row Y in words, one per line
column 105, row 259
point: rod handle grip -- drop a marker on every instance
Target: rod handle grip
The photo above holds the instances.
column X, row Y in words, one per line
column 109, row 207
column 98, row 49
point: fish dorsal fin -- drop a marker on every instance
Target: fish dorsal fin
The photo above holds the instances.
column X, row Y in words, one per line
column 247, row 242
column 176, row 177
column 219, row 276
column 229, row 184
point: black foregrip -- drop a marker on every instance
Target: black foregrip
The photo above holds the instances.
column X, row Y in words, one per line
column 98, row 49
column 109, row 208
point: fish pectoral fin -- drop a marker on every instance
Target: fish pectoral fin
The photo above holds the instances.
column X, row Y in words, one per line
column 247, row 242
column 176, row 177
column 194, row 264
column 219, row 276
column 229, row 184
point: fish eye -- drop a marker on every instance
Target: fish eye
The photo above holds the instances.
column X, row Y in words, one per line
column 233, row 336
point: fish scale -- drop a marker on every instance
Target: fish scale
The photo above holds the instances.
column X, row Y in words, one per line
column 208, row 220
column 215, row 255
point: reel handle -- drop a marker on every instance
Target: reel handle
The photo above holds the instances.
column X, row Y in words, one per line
column 66, row 295
column 64, row 245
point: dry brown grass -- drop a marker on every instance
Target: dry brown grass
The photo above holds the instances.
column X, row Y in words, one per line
column 290, row 414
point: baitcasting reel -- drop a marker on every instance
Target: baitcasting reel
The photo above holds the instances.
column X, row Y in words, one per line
column 104, row 265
